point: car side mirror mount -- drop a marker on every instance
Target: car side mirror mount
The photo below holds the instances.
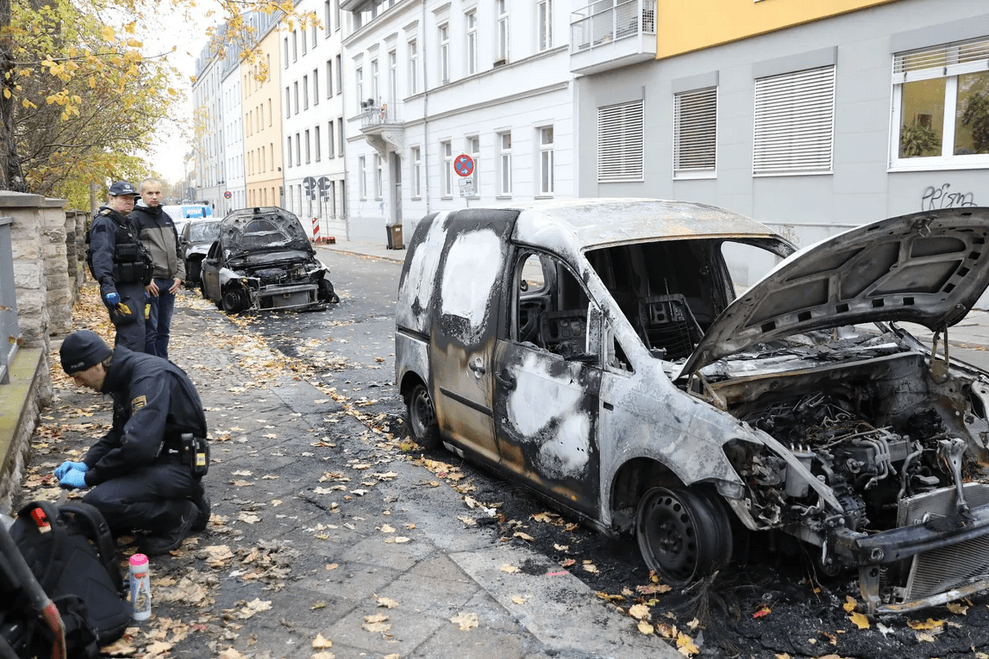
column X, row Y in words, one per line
column 595, row 328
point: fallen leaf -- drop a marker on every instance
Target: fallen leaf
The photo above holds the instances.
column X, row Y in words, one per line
column 957, row 608
column 859, row 620
column 763, row 611
column 376, row 623
column 639, row 611
column 467, row 621
column 930, row 623
column 322, row 643
column 518, row 600
column 645, row 628
column 524, row 536
column 850, row 604
column 511, row 569
column 685, row 645
column 386, row 602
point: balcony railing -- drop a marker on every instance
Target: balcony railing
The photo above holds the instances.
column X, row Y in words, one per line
column 9, row 331
column 379, row 114
column 607, row 21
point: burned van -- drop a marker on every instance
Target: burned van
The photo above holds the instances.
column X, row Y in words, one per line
column 602, row 353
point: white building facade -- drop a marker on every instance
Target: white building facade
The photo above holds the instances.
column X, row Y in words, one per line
column 209, row 128
column 233, row 187
column 312, row 112
column 429, row 82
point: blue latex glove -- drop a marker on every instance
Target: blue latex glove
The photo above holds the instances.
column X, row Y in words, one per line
column 113, row 299
column 73, row 479
column 68, row 465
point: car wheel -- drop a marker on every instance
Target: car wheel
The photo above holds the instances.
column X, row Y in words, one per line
column 326, row 292
column 234, row 300
column 684, row 535
column 422, row 418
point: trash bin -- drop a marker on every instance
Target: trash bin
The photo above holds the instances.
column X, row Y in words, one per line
column 395, row 236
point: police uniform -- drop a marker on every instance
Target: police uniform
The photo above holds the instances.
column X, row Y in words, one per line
column 144, row 472
column 121, row 265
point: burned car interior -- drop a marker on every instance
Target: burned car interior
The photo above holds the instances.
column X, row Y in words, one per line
column 693, row 411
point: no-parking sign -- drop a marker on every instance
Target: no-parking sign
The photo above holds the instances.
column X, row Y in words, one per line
column 463, row 165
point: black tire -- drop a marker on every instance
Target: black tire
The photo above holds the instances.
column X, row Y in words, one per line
column 326, row 292
column 234, row 300
column 683, row 535
column 422, row 418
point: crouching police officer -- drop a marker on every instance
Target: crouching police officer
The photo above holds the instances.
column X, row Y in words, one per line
column 145, row 472
column 121, row 265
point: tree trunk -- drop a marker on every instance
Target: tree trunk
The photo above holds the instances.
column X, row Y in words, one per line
column 11, row 177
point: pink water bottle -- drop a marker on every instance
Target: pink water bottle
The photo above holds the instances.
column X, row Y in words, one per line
column 140, row 587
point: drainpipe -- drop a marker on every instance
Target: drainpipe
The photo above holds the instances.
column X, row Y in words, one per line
column 425, row 107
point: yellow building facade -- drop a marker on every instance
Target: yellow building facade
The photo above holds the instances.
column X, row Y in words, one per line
column 683, row 26
column 261, row 105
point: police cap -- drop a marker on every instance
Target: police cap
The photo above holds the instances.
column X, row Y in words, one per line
column 122, row 188
column 81, row 350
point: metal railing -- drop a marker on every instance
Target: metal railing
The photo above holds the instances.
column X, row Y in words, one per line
column 9, row 329
column 606, row 21
column 379, row 114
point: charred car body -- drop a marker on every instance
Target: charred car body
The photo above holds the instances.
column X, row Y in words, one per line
column 596, row 351
column 262, row 259
column 195, row 241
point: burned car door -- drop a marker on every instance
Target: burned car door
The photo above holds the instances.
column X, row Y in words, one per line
column 547, row 385
column 211, row 273
column 465, row 320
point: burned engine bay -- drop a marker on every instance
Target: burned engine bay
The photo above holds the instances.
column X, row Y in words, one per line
column 894, row 441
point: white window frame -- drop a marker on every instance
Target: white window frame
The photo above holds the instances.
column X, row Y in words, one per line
column 316, row 142
column 446, row 176
column 544, row 25
column 288, row 160
column 378, row 176
column 362, row 177
column 621, row 142
column 504, row 42
column 359, row 84
column 416, row 172
column 504, row 163
column 443, row 36
column 375, row 89
column 330, row 147
column 948, row 61
column 305, row 92
column 392, row 76
column 546, row 174
column 298, row 149
column 471, row 19
column 308, row 147
column 315, row 86
column 695, row 133
column 474, row 149
column 793, row 131
column 413, row 67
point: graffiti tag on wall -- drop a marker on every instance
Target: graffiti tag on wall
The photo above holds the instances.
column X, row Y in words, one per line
column 934, row 198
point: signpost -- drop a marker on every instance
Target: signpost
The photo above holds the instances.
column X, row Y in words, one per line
column 463, row 165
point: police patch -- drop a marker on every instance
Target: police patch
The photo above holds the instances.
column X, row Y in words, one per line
column 138, row 403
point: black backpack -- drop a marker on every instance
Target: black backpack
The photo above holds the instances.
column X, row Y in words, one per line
column 72, row 555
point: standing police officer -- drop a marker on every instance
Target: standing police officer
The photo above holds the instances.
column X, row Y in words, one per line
column 121, row 265
column 145, row 472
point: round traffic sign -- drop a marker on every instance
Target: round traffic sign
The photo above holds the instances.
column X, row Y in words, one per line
column 463, row 165
column 227, row 195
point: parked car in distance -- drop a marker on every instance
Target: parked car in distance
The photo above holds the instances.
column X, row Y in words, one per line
column 194, row 242
column 262, row 259
column 596, row 351
column 182, row 214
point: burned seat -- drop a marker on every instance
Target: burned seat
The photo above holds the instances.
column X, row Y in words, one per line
column 668, row 326
column 564, row 332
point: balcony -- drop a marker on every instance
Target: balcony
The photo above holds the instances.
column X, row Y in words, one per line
column 610, row 34
column 382, row 126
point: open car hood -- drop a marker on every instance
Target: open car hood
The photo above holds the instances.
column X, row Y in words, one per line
column 262, row 229
column 928, row 268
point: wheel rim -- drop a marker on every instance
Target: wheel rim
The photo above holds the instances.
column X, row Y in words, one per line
column 233, row 301
column 422, row 413
column 682, row 535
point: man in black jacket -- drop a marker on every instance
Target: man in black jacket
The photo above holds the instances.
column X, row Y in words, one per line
column 120, row 265
column 157, row 232
column 146, row 471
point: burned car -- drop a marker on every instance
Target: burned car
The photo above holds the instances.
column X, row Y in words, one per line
column 194, row 242
column 262, row 259
column 597, row 351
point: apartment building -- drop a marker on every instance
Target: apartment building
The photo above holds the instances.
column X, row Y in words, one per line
column 208, row 127
column 261, row 107
column 811, row 117
column 428, row 81
column 313, row 116
column 233, row 191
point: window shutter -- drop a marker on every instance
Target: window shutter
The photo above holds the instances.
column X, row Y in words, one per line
column 794, row 123
column 695, row 130
column 938, row 57
column 620, row 142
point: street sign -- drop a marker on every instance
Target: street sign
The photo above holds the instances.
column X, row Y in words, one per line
column 227, row 194
column 463, row 165
column 466, row 187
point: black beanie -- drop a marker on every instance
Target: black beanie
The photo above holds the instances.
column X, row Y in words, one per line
column 81, row 350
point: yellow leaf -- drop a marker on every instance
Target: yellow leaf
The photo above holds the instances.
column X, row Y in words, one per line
column 639, row 611
column 860, row 620
column 511, row 569
column 645, row 628
column 467, row 621
column 685, row 645
column 107, row 32
column 321, row 642
column 517, row 599
column 925, row 624
column 849, row 604
column 958, row 608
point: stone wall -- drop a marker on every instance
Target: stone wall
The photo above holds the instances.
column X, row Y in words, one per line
column 75, row 249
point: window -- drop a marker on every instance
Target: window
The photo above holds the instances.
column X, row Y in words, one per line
column 295, row 96
column 271, row 150
column 620, row 142
column 794, row 123
column 340, row 135
column 339, row 71
column 327, row 15
column 362, row 177
column 413, row 67
column 286, row 52
column 330, row 152
column 502, row 10
column 316, row 140
column 305, row 92
column 288, row 101
column 315, row 86
column 375, row 90
column 446, row 176
column 264, row 163
column 392, row 76
column 444, row 52
column 504, row 164
column 289, row 151
column 312, row 30
column 474, row 149
column 329, row 78
column 295, row 46
column 298, row 150
column 359, row 76
column 546, row 161
column 941, row 106
column 471, row 42
column 377, row 176
column 544, row 23
column 695, row 131
column 261, row 117
column 270, row 113
column 305, row 47
column 416, row 173
column 307, row 147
